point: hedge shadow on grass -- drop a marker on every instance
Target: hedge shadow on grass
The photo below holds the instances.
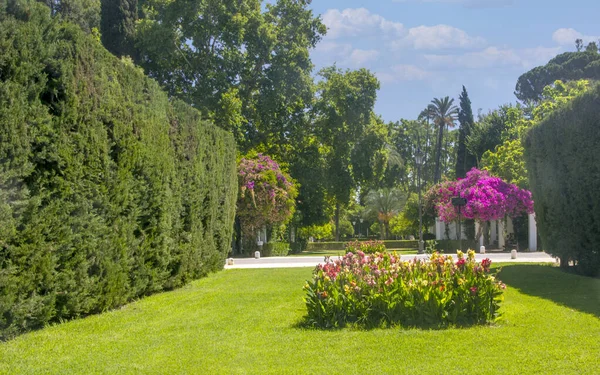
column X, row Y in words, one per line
column 571, row 290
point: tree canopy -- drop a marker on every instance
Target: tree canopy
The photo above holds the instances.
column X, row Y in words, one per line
column 568, row 66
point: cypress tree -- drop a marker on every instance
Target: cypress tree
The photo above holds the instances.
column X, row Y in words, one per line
column 464, row 159
column 117, row 25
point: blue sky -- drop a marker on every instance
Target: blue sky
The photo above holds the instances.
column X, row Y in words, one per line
column 421, row 49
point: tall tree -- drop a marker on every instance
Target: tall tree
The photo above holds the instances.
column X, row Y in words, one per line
column 117, row 24
column 245, row 66
column 444, row 114
column 568, row 66
column 384, row 204
column 84, row 13
column 464, row 159
column 343, row 116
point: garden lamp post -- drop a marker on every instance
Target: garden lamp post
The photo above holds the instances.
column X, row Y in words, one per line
column 354, row 226
column 419, row 160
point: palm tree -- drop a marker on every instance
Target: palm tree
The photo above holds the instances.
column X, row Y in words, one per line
column 385, row 204
column 444, row 114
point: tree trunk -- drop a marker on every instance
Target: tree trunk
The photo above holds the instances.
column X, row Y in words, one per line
column 479, row 232
column 438, row 157
column 337, row 222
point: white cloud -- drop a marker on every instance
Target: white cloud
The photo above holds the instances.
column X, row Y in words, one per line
column 438, row 37
column 496, row 57
column 345, row 55
column 403, row 72
column 567, row 37
column 360, row 21
column 360, row 57
column 466, row 3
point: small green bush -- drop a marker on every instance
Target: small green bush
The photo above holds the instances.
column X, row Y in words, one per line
column 381, row 290
column 276, row 249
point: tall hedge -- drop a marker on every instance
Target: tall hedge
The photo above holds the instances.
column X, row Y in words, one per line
column 563, row 159
column 108, row 190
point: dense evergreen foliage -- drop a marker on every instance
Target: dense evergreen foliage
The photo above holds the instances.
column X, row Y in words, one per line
column 564, row 175
column 465, row 161
column 568, row 66
column 108, row 191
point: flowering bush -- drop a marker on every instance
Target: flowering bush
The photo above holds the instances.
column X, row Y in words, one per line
column 367, row 247
column 488, row 198
column 381, row 290
column 267, row 194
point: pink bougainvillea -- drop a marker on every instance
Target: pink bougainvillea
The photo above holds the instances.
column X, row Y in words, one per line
column 488, row 198
column 267, row 194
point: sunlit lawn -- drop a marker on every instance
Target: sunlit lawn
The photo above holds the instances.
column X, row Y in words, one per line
column 245, row 322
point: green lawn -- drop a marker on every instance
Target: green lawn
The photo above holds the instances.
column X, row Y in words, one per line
column 245, row 322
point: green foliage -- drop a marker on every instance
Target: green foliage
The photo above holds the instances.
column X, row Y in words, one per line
column 344, row 118
column 380, row 290
column 276, row 249
column 318, row 232
column 118, row 26
column 400, row 225
column 346, row 228
column 108, row 191
column 569, row 66
column 245, row 65
column 507, row 162
column 84, row 13
column 443, row 113
column 465, row 160
column 564, row 173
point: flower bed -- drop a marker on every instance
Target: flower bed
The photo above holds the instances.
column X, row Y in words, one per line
column 381, row 290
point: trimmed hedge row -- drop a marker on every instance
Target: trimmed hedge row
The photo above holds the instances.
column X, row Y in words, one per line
column 320, row 246
column 108, row 191
column 450, row 246
column 563, row 162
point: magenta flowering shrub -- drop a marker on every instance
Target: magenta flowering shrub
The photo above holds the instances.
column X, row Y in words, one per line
column 367, row 247
column 381, row 290
column 488, row 198
column 267, row 194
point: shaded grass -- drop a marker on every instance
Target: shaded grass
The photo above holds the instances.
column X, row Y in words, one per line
column 244, row 322
column 552, row 283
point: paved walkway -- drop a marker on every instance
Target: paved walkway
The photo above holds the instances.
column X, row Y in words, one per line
column 300, row 261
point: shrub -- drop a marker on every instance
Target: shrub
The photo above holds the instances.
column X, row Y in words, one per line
column 267, row 194
column 367, row 247
column 381, row 290
column 561, row 153
column 298, row 246
column 109, row 191
column 276, row 249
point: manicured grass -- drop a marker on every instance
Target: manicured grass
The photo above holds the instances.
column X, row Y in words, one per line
column 245, row 322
